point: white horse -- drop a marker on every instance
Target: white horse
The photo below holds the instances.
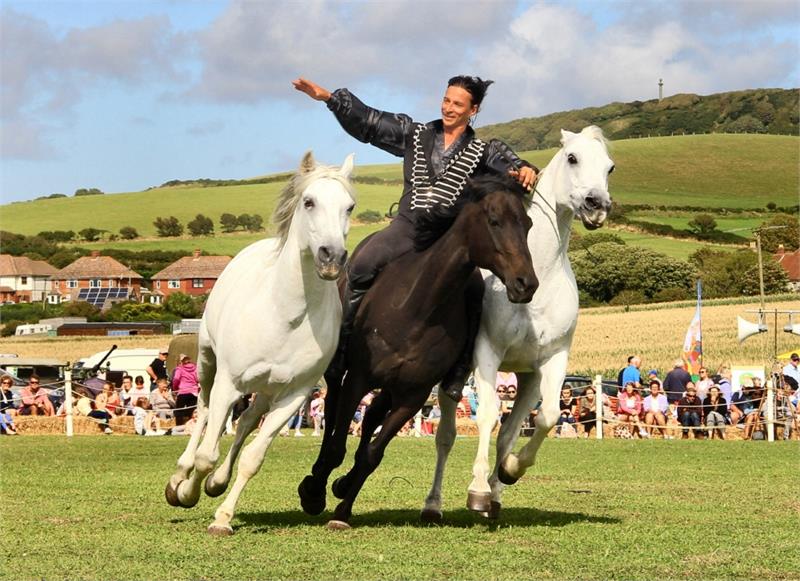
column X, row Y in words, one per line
column 270, row 327
column 531, row 339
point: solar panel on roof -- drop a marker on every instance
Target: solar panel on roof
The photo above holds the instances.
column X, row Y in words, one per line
column 98, row 296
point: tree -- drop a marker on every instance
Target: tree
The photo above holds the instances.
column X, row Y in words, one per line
column 730, row 274
column 90, row 234
column 183, row 305
column 88, row 192
column 255, row 224
column 229, row 222
column 606, row 269
column 703, row 225
column 168, row 227
column 81, row 309
column 780, row 229
column 128, row 233
column 201, row 226
column 57, row 235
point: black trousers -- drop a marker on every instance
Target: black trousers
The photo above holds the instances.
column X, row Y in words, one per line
column 379, row 250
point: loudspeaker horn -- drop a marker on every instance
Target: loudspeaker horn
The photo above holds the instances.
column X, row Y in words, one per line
column 793, row 328
column 746, row 328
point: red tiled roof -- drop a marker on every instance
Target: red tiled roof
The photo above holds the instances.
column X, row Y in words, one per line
column 790, row 261
column 194, row 267
column 23, row 266
column 95, row 267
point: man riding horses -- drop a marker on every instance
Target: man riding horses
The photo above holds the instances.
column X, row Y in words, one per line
column 438, row 158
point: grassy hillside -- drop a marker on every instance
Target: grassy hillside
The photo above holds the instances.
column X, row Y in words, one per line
column 716, row 171
column 764, row 111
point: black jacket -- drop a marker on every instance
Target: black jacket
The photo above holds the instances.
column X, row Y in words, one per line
column 393, row 132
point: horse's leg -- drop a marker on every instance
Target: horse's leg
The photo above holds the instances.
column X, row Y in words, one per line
column 373, row 417
column 445, row 436
column 513, row 466
column 253, row 457
column 334, row 445
column 207, row 365
column 222, row 399
column 372, row 456
column 479, row 493
column 217, row 482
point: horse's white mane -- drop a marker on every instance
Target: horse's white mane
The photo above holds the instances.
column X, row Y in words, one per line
column 594, row 132
column 290, row 196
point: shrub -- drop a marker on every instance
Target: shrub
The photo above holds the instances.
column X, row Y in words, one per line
column 183, row 305
column 90, row 234
column 703, row 225
column 201, row 226
column 128, row 233
column 57, row 235
column 10, row 327
column 168, row 227
column 88, row 192
column 369, row 216
column 229, row 222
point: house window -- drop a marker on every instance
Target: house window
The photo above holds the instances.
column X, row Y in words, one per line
column 72, row 284
column 23, row 280
column 174, row 284
column 158, row 284
column 197, row 283
column 110, row 283
column 95, row 283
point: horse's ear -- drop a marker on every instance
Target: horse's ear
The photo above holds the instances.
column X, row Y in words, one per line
column 347, row 166
column 308, row 162
column 566, row 135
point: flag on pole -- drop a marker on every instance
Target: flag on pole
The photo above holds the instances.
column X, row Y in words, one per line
column 693, row 343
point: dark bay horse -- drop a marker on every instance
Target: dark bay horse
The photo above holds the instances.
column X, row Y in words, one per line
column 412, row 328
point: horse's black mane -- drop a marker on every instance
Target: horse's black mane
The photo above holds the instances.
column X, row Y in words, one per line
column 432, row 224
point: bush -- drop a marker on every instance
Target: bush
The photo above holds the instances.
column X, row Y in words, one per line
column 128, row 233
column 57, row 235
column 168, row 227
column 250, row 223
column 10, row 327
column 629, row 297
column 369, row 216
column 90, row 234
column 780, row 229
column 183, row 305
column 88, row 192
column 703, row 225
column 201, row 226
column 229, row 222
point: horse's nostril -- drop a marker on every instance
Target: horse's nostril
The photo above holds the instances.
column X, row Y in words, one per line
column 324, row 254
column 592, row 203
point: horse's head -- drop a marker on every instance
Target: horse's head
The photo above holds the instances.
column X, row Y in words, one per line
column 315, row 209
column 498, row 239
column 586, row 165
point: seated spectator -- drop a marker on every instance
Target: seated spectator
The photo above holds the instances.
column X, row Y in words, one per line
column 101, row 411
column 629, row 409
column 139, row 390
column 435, row 415
column 703, row 384
column 114, row 403
column 715, row 409
column 187, row 428
column 145, row 422
column 723, row 381
column 186, row 386
column 34, row 400
column 748, row 406
column 317, row 410
column 690, row 409
column 125, row 394
column 743, row 404
column 161, row 400
column 567, row 406
column 7, row 408
column 507, row 404
column 587, row 416
column 82, row 401
column 655, row 408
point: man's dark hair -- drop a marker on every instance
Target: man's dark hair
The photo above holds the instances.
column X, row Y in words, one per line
column 631, row 358
column 475, row 86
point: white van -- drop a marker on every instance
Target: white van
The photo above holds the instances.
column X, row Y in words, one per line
column 133, row 361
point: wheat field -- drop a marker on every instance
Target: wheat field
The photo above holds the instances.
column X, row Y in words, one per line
column 604, row 337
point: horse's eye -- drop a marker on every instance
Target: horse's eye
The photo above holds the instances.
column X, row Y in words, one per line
column 572, row 159
column 350, row 209
column 494, row 222
column 308, row 203
column 611, row 170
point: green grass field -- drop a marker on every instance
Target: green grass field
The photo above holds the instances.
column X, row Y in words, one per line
column 92, row 508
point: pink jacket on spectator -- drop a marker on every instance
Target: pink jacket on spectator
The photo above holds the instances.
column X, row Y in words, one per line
column 629, row 404
column 185, row 379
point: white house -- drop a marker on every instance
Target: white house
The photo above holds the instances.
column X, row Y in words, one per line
column 23, row 280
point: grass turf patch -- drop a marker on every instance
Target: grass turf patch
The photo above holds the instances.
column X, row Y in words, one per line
column 93, row 508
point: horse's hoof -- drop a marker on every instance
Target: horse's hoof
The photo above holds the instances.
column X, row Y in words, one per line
column 212, row 490
column 479, row 501
column 337, row 525
column 220, row 530
column 171, row 494
column 494, row 511
column 312, row 504
column 504, row 477
column 339, row 487
column 431, row 516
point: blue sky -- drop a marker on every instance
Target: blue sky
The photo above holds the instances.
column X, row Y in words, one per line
column 123, row 95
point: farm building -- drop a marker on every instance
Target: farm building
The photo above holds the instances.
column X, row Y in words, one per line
column 192, row 275
column 112, row 329
column 790, row 262
column 99, row 280
column 23, row 280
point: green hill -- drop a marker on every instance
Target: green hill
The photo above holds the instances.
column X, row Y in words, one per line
column 762, row 111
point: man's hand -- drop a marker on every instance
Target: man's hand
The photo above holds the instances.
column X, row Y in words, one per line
column 526, row 176
column 311, row 89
